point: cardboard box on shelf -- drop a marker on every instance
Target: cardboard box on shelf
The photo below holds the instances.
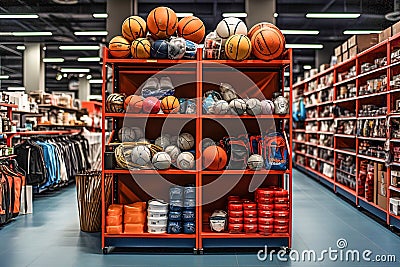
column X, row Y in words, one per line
column 345, row 56
column 385, row 34
column 382, row 202
column 345, row 47
column 395, row 28
column 338, row 50
column 382, row 176
column 382, row 189
column 375, row 182
column 380, row 166
column 324, row 67
column 363, row 41
column 395, row 178
column 339, row 59
column 353, row 51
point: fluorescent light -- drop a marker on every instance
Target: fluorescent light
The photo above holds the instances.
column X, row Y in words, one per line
column 4, row 77
column 53, row 60
column 100, row 15
column 354, row 32
column 304, row 32
column 32, row 33
column 305, row 46
column 79, row 47
column 74, row 70
column 276, row 15
column 91, row 33
column 307, row 67
column 18, row 88
column 81, row 75
column 237, row 15
column 333, row 15
column 89, row 59
column 19, row 16
column 184, row 14
column 20, row 47
column 44, row 48
column 286, row 74
column 89, row 76
column 65, row 75
column 96, row 81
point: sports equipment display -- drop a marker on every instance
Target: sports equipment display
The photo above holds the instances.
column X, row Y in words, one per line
column 151, row 105
column 173, row 151
column 267, row 107
column 161, row 161
column 281, row 104
column 230, row 26
column 268, row 43
column 259, row 26
column 127, row 134
column 238, row 106
column 221, row 107
column 162, row 141
column 170, row 104
column 119, row 47
column 253, row 107
column 185, row 141
column 176, row 48
column 191, row 28
column 162, row 22
column 141, row 155
column 275, row 151
column 115, row 103
column 238, row 47
column 255, row 162
column 133, row 27
column 228, row 92
column 185, row 161
column 141, row 48
column 134, row 105
column 191, row 49
column 159, row 49
column 214, row 158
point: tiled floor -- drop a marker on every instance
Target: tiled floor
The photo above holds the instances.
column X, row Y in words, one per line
column 51, row 236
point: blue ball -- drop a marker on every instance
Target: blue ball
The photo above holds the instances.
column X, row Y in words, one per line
column 159, row 49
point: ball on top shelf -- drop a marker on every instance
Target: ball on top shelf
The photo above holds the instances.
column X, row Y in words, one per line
column 253, row 106
column 214, row 158
column 133, row 27
column 230, row 26
column 185, row 141
column 238, row 47
column 238, row 106
column 268, row 43
column 161, row 161
column 141, row 156
column 267, row 107
column 159, row 49
column 151, row 105
column 191, row 28
column 119, row 47
column 133, row 104
column 176, row 48
column 170, row 104
column 259, row 26
column 141, row 48
column 185, row 161
column 162, row 22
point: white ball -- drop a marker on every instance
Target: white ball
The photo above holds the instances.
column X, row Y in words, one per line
column 174, row 140
column 185, row 161
column 173, row 152
column 221, row 107
column 238, row 106
column 162, row 141
column 267, row 107
column 255, row 162
column 185, row 141
column 141, row 155
column 230, row 26
column 176, row 48
column 161, row 161
column 253, row 106
column 126, row 134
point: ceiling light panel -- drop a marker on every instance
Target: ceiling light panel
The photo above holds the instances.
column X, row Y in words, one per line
column 53, row 60
column 72, row 70
column 305, row 46
column 100, row 15
column 91, row 33
column 19, row 16
column 79, row 47
column 302, row 32
column 333, row 15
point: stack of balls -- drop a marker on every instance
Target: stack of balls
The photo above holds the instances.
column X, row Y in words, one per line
column 161, row 36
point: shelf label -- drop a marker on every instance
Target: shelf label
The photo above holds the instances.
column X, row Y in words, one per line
column 151, row 60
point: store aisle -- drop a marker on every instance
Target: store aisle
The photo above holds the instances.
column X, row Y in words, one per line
column 51, row 236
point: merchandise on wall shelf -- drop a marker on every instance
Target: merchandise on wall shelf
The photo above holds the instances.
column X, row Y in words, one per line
column 343, row 76
column 368, row 148
column 373, row 86
column 347, row 91
column 372, row 127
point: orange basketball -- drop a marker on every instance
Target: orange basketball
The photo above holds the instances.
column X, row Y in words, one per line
column 214, row 158
column 192, row 29
column 259, row 26
column 170, row 104
column 133, row 104
column 162, row 22
column 119, row 47
column 140, row 48
column 133, row 27
column 268, row 43
column 238, row 47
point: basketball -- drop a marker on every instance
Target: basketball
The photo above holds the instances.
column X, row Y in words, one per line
column 134, row 104
column 162, row 141
column 259, row 26
column 253, row 106
column 161, row 161
column 214, row 158
column 170, row 104
column 162, row 22
column 159, row 49
column 141, row 48
column 185, row 161
column 173, row 152
column 133, row 27
column 255, row 162
column 268, row 43
column 238, row 106
column 185, row 141
column 267, row 107
column 230, row 26
column 119, row 47
column 115, row 103
column 141, row 155
column 221, row 107
column 238, row 47
column 151, row 105
column 191, row 28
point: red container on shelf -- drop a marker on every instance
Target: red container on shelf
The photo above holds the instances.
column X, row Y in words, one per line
column 235, row 206
column 235, row 214
column 281, row 229
column 281, row 193
column 266, row 221
column 281, row 200
column 281, row 214
column 233, row 198
column 281, row 222
column 265, row 192
column 233, row 220
column 250, row 213
column 249, row 220
column 266, row 200
column 265, row 229
column 266, row 206
column 235, row 228
column 280, row 207
column 250, row 228
column 250, row 205
column 265, row 213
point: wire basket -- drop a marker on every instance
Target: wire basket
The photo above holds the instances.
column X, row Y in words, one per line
column 88, row 191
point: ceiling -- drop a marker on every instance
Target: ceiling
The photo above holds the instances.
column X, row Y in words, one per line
column 63, row 20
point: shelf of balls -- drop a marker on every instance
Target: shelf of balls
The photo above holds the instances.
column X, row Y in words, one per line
column 250, row 63
column 275, row 116
column 242, row 235
column 205, row 172
column 144, row 116
column 150, row 235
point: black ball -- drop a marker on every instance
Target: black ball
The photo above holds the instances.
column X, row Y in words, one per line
column 159, row 49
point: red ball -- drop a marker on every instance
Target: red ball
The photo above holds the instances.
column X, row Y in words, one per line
column 214, row 158
column 151, row 105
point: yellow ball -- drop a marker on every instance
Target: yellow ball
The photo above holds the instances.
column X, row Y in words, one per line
column 140, row 48
column 238, row 47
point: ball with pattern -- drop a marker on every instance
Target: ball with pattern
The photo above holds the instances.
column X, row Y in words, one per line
column 267, row 107
column 238, row 106
column 255, row 162
column 221, row 107
column 162, row 141
column 230, row 26
column 141, row 156
column 173, row 151
column 185, row 161
column 253, row 106
column 161, row 161
column 185, row 141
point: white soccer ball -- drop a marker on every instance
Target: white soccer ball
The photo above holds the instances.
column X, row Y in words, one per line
column 176, row 48
column 128, row 134
column 267, row 107
column 238, row 106
column 185, row 141
column 162, row 141
column 230, row 26
column 221, row 107
column 173, row 151
column 141, row 155
column 253, row 106
column 174, row 140
column 161, row 161
column 185, row 161
column 255, row 162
